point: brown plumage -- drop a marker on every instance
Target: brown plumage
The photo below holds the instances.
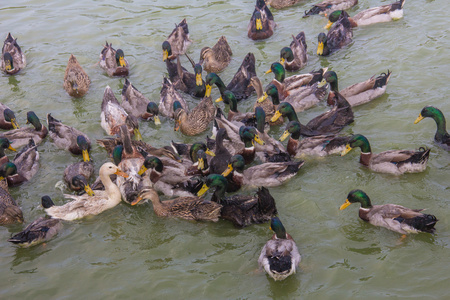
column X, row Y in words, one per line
column 76, row 81
column 197, row 120
column 218, row 57
column 11, row 52
column 108, row 62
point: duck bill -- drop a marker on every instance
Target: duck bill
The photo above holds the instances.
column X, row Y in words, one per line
column 276, row 116
column 201, row 164
column 177, row 126
column 121, row 173
column 219, row 99
column 14, row 124
column 285, row 135
column 85, row 155
column 157, row 120
column 227, row 171
column 419, row 118
column 122, row 62
column 136, row 201
column 328, row 26
column 137, row 134
column 142, row 170
column 258, row 24
column 346, row 150
column 282, row 61
column 203, row 190
column 320, row 48
column 11, row 148
column 263, row 97
column 322, row 83
column 345, row 205
column 88, row 190
column 198, row 79
column 208, row 90
column 268, row 71
column 210, row 153
column 165, row 55
column 259, row 140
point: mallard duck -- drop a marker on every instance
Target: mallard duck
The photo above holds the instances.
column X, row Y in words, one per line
column 441, row 137
column 267, row 174
column 218, row 163
column 113, row 61
column 339, row 35
column 218, row 57
column 329, row 122
column 68, row 138
column 197, row 120
column 261, row 23
column 10, row 212
column 321, row 145
column 188, row 208
column 85, row 205
column 177, row 42
column 27, row 163
column 394, row 162
column 358, row 93
column 241, row 210
column 277, row 4
column 77, row 174
column 279, row 257
column 328, row 6
column 20, row 137
column 239, row 85
column 13, row 59
column 183, row 80
column 7, row 168
column 113, row 116
column 294, row 57
column 40, row 230
column 391, row 216
column 7, row 118
column 380, row 14
column 168, row 96
column 262, row 101
column 136, row 104
column 4, row 144
column 76, row 81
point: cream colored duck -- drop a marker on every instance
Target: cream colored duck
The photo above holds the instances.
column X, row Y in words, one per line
column 13, row 59
column 85, row 205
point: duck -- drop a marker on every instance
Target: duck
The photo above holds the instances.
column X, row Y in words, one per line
column 358, row 93
column 7, row 118
column 262, row 101
column 189, row 83
column 320, row 145
column 330, row 122
column 241, row 210
column 280, row 256
column 113, row 115
column 40, row 230
column 188, row 208
column 327, row 6
column 394, row 162
column 267, row 174
column 5, row 144
column 391, row 216
column 21, row 136
column 10, row 212
column 177, row 42
column 13, row 59
column 339, row 35
column 136, row 104
column 294, row 57
column 218, row 163
column 380, row 14
column 77, row 174
column 197, row 120
column 442, row 137
column 239, row 85
column 278, row 4
column 7, row 168
column 261, row 23
column 217, row 58
column 113, row 61
column 168, row 96
column 68, row 138
column 76, row 81
column 85, row 205
column 27, row 163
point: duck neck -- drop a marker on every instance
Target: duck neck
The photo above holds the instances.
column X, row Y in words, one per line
column 111, row 189
column 219, row 194
column 158, row 207
column 275, row 98
column 441, row 130
column 248, row 153
column 292, row 116
column 292, row 146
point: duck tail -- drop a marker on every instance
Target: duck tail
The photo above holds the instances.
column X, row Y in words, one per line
column 419, row 157
column 382, row 80
column 47, row 202
column 266, row 202
column 424, row 222
column 315, row 10
column 279, row 263
column 19, row 238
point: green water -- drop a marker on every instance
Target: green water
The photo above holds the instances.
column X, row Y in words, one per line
column 129, row 253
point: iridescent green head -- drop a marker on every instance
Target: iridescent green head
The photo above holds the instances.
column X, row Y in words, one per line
column 9, row 62
column 286, row 54
column 292, row 129
column 278, row 228
column 237, row 162
column 120, row 58
column 287, row 110
column 260, row 116
column 5, row 144
column 153, row 162
column 357, row 196
column 357, row 140
column 229, row 98
column 10, row 117
column 176, row 105
column 167, row 50
column 430, row 112
column 153, row 110
column 7, row 169
column 279, row 71
column 335, row 15
column 34, row 120
column 272, row 91
column 214, row 181
column 195, row 147
column 322, row 44
column 84, row 146
column 117, row 154
column 331, row 78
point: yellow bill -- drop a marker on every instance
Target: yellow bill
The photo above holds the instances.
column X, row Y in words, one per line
column 322, row 83
column 85, row 155
column 345, row 205
column 263, row 97
column 276, row 116
column 329, row 24
column 88, row 190
column 259, row 140
column 157, row 120
column 346, row 150
column 198, row 79
column 282, row 61
column 320, row 48
column 285, row 135
column 208, row 90
column 122, row 62
column 201, row 164
column 227, row 171
column 268, row 71
column 219, row 99
column 419, row 118
column 11, row 148
column 137, row 134
column 14, row 124
column 142, row 170
column 203, row 190
column 258, row 24
column 210, row 153
column 165, row 55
